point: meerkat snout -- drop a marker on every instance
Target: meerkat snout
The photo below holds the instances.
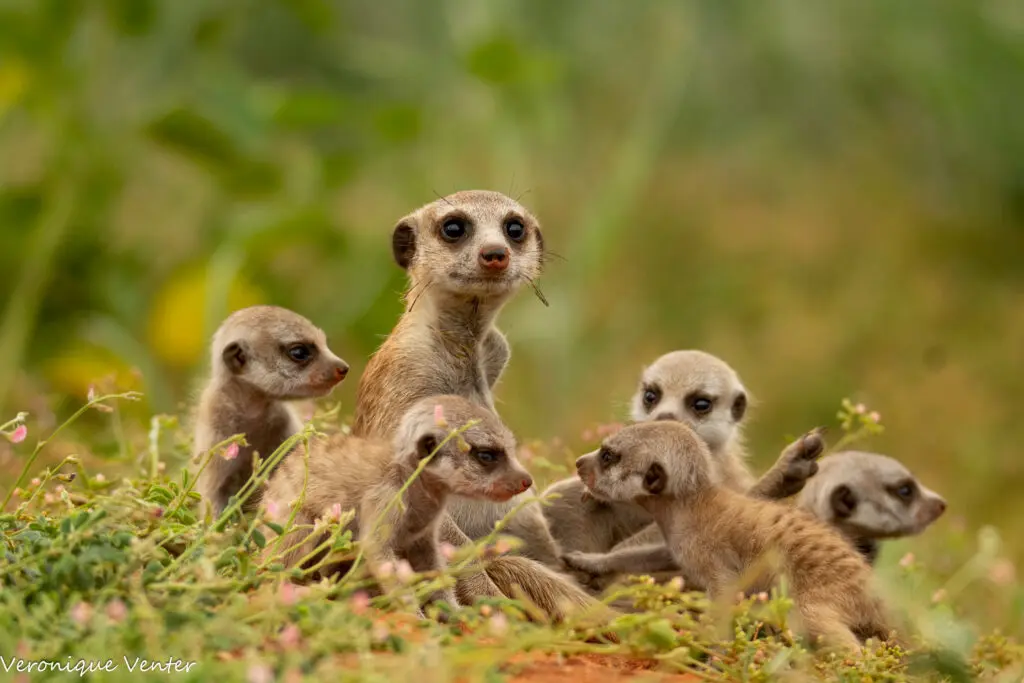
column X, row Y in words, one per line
column 494, row 257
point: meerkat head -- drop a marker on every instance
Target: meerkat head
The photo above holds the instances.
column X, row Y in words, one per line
column 476, row 243
column 647, row 459
column 277, row 352
column 696, row 388
column 479, row 463
column 870, row 496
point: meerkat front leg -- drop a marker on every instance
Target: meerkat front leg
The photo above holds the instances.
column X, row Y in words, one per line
column 795, row 466
column 468, row 587
column 423, row 556
column 496, row 353
column 646, row 559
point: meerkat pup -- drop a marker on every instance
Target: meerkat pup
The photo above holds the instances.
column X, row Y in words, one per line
column 870, row 497
column 261, row 357
column 718, row 535
column 466, row 254
column 702, row 391
column 366, row 475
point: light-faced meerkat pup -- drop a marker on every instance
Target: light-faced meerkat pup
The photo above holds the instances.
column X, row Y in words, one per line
column 870, row 497
column 702, row 391
column 466, row 254
column 261, row 357
column 719, row 535
column 365, row 475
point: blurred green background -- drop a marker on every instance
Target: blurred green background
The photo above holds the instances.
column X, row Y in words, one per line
column 830, row 196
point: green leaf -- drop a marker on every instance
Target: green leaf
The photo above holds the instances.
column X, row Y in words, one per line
column 196, row 136
column 276, row 528
column 260, row 539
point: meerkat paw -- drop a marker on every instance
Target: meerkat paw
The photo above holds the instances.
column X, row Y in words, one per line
column 447, row 597
column 799, row 462
column 588, row 563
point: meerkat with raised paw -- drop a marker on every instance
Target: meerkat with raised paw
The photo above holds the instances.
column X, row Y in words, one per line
column 366, row 475
column 870, row 497
column 466, row 255
column 704, row 392
column 262, row 357
column 724, row 538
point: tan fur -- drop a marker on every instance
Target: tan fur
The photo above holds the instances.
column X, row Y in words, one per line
column 446, row 343
column 365, row 475
column 870, row 497
column 723, row 539
column 252, row 377
column 676, row 380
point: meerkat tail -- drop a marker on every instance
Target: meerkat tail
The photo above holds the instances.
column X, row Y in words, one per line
column 546, row 589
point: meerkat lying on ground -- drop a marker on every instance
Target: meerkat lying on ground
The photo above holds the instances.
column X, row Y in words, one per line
column 365, row 475
column 466, row 254
column 261, row 357
column 702, row 391
column 870, row 497
column 718, row 535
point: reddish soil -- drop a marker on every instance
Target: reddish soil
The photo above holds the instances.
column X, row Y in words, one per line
column 591, row 669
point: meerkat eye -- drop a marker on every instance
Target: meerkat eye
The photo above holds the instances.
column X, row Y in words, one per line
column 487, row 457
column 453, row 229
column 701, row 405
column 300, row 353
column 905, row 491
column 515, row 230
column 651, row 397
column 608, row 457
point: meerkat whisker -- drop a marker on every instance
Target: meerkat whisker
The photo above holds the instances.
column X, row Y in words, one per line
column 536, row 290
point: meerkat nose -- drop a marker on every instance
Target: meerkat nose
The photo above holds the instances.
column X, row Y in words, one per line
column 494, row 257
column 341, row 370
column 940, row 506
column 525, row 484
column 579, row 463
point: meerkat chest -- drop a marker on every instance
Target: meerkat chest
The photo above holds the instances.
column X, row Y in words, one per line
column 457, row 369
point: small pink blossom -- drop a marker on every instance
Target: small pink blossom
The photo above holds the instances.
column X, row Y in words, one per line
column 939, row 595
column 502, row 546
column 260, row 673
column 290, row 636
column 91, row 394
column 447, row 551
column 485, row 610
column 336, row 512
column 161, row 466
column 36, row 481
column 404, row 572
column 762, row 597
column 676, row 583
column 875, row 416
column 81, row 613
column 231, row 452
column 288, row 594
column 860, row 409
column 99, row 478
column 273, row 509
column 48, row 498
column 360, row 602
column 116, row 611
column 18, row 435
column 498, row 625
column 386, row 570
column 60, row 489
column 907, row 561
column 1002, row 572
column 380, row 632
column 439, row 416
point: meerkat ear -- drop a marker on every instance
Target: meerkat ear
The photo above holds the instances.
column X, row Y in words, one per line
column 540, row 238
column 843, row 501
column 234, row 356
column 426, row 445
column 655, row 480
column 739, row 407
column 403, row 242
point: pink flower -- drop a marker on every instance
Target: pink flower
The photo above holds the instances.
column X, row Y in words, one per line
column 502, row 546
column 874, row 416
column 36, row 481
column 91, row 394
column 99, row 478
column 81, row 613
column 360, row 602
column 939, row 595
column 273, row 509
column 498, row 624
column 907, row 561
column 18, row 435
column 48, row 498
column 485, row 610
column 288, row 594
column 116, row 611
column 380, row 632
column 1002, row 572
column 260, row 673
column 860, row 409
column 386, row 570
column 404, row 572
column 231, row 452
column 447, row 551
column 336, row 512
column 290, row 636
column 439, row 416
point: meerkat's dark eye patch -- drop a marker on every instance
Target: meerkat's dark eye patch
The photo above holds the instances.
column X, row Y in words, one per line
column 454, row 228
column 843, row 501
column 739, row 407
column 608, row 457
column 403, row 244
column 655, row 479
column 700, row 404
column 651, row 396
column 426, row 445
column 488, row 456
column 234, row 357
column 514, row 229
column 905, row 490
column 301, row 352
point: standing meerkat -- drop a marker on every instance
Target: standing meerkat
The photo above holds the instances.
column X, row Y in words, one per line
column 719, row 535
column 261, row 357
column 366, row 475
column 870, row 497
column 702, row 391
column 466, row 255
